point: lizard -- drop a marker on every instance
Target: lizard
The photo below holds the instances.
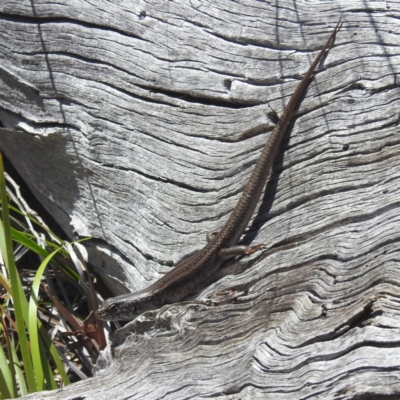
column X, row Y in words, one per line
column 191, row 272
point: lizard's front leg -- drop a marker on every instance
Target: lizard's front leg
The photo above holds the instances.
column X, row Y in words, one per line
column 235, row 251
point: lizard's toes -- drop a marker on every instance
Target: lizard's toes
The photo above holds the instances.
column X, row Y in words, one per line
column 253, row 249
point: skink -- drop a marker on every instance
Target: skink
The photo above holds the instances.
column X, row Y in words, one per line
column 191, row 272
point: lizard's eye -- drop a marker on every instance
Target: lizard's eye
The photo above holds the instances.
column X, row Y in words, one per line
column 111, row 307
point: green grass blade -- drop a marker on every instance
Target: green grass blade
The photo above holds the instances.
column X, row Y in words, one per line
column 21, row 238
column 7, row 387
column 38, row 360
column 47, row 370
column 19, row 299
column 19, row 374
column 49, row 345
column 33, row 219
column 14, row 372
column 4, row 282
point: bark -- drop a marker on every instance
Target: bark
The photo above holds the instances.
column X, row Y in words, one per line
column 138, row 123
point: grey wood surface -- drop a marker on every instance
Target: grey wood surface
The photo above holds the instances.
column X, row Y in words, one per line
column 138, row 123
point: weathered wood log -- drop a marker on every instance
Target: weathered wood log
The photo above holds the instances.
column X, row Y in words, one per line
column 138, row 123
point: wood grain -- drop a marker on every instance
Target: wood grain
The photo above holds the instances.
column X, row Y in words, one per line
column 139, row 122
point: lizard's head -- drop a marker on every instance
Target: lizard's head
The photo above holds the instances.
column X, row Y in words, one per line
column 116, row 310
column 125, row 307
